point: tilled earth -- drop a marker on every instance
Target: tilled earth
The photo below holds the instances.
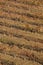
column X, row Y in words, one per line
column 21, row 32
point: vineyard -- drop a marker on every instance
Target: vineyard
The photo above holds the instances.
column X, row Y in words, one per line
column 21, row 32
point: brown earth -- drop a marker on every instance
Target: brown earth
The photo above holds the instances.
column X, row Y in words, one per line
column 21, row 32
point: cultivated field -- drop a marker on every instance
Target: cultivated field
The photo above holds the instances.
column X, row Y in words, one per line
column 21, row 32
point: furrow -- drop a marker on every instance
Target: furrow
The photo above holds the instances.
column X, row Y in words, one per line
column 9, row 59
column 27, row 2
column 34, row 13
column 32, row 55
column 18, row 17
column 23, row 26
column 23, row 34
column 32, row 9
column 20, row 42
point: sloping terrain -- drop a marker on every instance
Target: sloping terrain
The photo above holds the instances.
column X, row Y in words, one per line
column 21, row 32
